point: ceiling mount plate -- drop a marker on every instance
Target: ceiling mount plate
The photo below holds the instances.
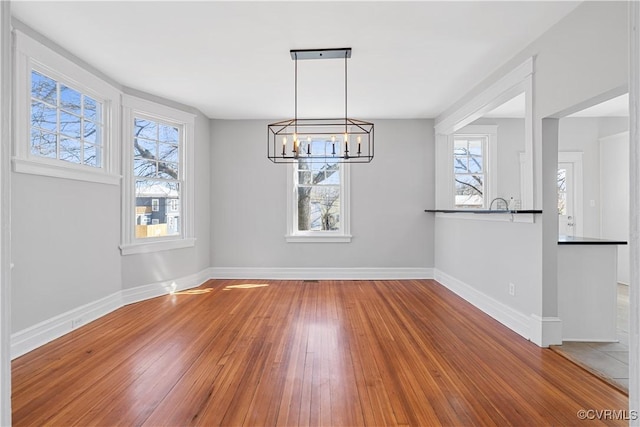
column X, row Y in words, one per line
column 343, row 52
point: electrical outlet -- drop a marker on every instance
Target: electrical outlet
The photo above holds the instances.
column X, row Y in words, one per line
column 512, row 289
column 76, row 322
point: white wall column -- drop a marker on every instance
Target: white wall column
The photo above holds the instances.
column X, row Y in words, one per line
column 5, row 224
column 634, row 205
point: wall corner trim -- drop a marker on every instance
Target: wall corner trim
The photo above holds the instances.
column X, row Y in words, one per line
column 546, row 331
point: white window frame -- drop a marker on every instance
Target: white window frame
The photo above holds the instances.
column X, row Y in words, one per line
column 31, row 55
column 134, row 107
column 513, row 83
column 317, row 236
column 490, row 152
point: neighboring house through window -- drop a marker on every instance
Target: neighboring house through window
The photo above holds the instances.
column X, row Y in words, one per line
column 158, row 206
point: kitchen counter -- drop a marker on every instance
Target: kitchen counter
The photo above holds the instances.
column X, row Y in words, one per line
column 574, row 240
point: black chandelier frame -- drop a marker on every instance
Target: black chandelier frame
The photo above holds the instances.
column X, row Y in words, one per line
column 346, row 140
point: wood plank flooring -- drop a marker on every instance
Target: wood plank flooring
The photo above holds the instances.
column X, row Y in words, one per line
column 330, row 353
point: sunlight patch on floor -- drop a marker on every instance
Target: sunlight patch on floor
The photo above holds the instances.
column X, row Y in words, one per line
column 245, row 286
column 194, row 291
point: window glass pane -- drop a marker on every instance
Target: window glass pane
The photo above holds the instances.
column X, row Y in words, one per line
column 43, row 116
column 70, row 125
column 144, row 148
column 562, row 203
column 475, row 156
column 332, row 177
column 167, row 170
column 168, row 134
column 43, row 143
column 144, row 168
column 475, row 163
column 62, row 112
column 469, row 190
column 168, row 152
column 460, row 164
column 70, row 100
column 562, row 180
column 92, row 109
column 460, row 147
column 146, row 129
column 44, row 88
column 92, row 132
column 70, row 150
column 304, row 177
column 155, row 216
column 92, row 155
column 318, row 208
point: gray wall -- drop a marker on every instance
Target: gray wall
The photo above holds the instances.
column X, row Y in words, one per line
column 144, row 269
column 581, row 134
column 65, row 237
column 388, row 198
column 510, row 144
column 66, row 233
column 582, row 56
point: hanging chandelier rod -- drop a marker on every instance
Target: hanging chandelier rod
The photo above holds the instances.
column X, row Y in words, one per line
column 328, row 132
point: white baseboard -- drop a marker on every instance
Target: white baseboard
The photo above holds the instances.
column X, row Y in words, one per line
column 141, row 293
column 41, row 333
column 511, row 318
column 37, row 335
column 321, row 273
column 546, row 331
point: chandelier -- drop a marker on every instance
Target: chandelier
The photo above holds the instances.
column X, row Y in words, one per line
column 332, row 140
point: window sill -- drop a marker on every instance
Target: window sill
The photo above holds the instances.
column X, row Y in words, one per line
column 317, row 238
column 61, row 171
column 156, row 246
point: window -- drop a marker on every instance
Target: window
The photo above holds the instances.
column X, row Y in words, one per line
column 318, row 199
column 469, row 170
column 156, row 168
column 66, row 117
column 66, row 124
column 158, row 176
column 473, row 170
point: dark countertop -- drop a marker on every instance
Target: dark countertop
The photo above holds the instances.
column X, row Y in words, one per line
column 575, row 240
column 486, row 211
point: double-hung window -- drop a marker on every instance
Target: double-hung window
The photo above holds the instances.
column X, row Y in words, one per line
column 158, row 194
column 318, row 198
column 469, row 170
column 473, row 154
column 66, row 117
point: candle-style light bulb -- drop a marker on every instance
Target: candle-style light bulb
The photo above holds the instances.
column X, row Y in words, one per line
column 295, row 142
column 333, row 145
column 346, row 144
column 359, row 141
column 284, row 144
column 308, row 146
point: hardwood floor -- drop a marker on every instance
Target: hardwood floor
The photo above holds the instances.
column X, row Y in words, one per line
column 348, row 353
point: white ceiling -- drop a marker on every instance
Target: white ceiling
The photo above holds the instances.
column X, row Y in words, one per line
column 615, row 107
column 231, row 59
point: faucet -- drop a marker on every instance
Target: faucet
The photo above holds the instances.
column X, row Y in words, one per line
column 506, row 204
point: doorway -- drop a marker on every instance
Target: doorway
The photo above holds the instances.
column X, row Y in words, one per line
column 569, row 181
